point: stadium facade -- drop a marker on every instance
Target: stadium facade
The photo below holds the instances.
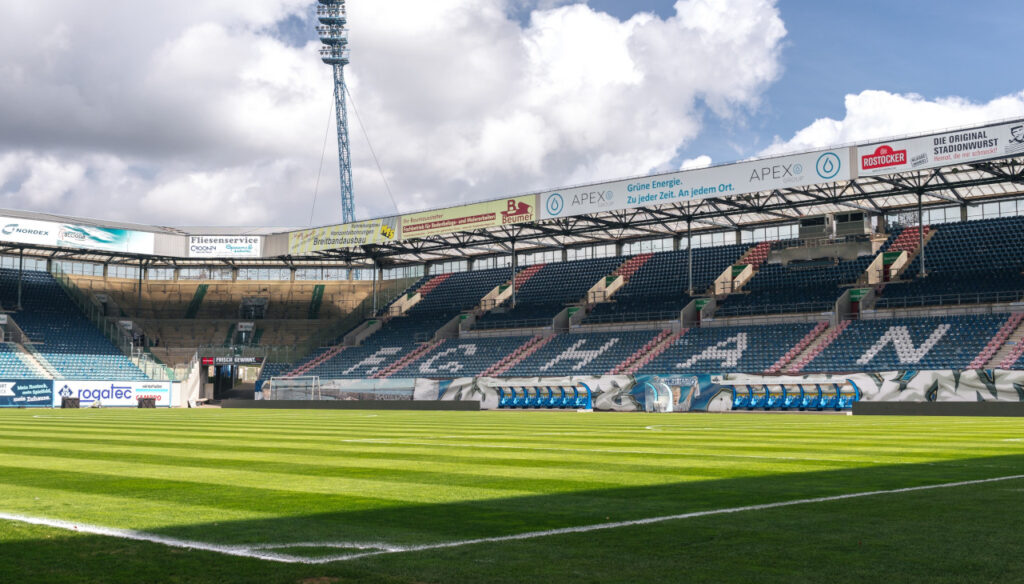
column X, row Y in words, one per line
column 897, row 255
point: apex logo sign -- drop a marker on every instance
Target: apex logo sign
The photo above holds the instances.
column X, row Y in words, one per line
column 882, row 157
column 6, row 390
column 776, row 172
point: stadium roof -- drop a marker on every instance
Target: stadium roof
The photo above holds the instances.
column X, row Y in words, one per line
column 965, row 166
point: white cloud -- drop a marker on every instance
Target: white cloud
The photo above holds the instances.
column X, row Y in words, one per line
column 880, row 114
column 702, row 161
column 203, row 116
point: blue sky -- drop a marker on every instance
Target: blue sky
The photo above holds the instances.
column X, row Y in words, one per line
column 216, row 112
column 935, row 48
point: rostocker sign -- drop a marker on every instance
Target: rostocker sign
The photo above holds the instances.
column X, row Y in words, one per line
column 225, row 246
column 925, row 152
column 798, row 170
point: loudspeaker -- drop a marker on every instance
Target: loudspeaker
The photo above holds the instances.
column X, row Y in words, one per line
column 70, row 403
column 147, row 402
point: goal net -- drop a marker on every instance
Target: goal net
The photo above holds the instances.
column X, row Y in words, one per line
column 293, row 388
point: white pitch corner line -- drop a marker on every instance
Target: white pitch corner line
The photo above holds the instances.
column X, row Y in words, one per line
column 364, row 550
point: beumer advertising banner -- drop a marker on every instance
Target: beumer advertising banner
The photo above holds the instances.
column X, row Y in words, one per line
column 469, row 217
column 935, row 150
column 798, row 170
column 343, row 236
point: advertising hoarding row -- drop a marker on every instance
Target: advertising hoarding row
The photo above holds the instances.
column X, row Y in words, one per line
column 415, row 225
column 468, row 217
column 225, row 246
column 926, row 152
column 112, row 393
column 24, row 393
column 799, row 170
column 75, row 236
column 27, row 393
column 343, row 236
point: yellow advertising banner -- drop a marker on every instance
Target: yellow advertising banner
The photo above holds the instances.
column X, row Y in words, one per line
column 343, row 236
column 469, row 217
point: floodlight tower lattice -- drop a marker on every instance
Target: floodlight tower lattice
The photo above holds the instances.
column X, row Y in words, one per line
column 335, row 52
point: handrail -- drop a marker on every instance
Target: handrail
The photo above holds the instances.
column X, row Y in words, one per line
column 649, row 315
column 763, row 309
column 947, row 299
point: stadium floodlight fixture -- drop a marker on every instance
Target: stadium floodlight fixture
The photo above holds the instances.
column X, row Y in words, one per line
column 333, row 33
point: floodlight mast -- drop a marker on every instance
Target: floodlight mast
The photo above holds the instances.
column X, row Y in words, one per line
column 334, row 52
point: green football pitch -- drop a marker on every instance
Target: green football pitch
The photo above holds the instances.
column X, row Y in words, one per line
column 341, row 496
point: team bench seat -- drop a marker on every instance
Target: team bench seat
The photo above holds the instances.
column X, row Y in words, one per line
column 545, row 397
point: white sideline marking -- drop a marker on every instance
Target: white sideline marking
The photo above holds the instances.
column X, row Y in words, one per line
column 257, row 551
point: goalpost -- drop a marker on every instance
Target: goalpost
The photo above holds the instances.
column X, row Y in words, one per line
column 306, row 387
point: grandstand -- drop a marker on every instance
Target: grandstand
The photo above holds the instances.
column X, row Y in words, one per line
column 860, row 272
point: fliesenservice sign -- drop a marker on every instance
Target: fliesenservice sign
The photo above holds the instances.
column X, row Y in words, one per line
column 225, row 246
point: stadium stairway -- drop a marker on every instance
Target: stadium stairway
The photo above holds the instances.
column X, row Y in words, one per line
column 433, row 283
column 631, row 265
column 197, row 301
column 799, row 348
column 315, row 302
column 528, row 348
column 38, row 363
column 996, row 342
column 1010, row 356
column 406, row 359
column 526, row 273
column 16, row 364
column 308, row 365
column 754, row 257
column 1011, row 345
column 815, row 348
column 909, row 241
column 652, row 349
column 639, row 353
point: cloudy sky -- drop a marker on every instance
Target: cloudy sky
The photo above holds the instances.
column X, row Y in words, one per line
column 214, row 112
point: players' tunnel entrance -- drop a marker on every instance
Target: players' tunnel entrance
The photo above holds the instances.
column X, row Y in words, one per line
column 229, row 378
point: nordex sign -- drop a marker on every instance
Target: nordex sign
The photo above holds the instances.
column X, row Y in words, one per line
column 72, row 235
column 799, row 170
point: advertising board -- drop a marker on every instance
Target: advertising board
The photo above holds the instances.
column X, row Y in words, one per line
column 75, row 236
column 798, row 170
column 343, row 236
column 21, row 393
column 469, row 217
column 225, row 246
column 944, row 149
column 113, row 393
column 231, row 360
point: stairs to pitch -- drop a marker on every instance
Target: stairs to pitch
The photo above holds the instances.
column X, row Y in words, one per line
column 815, row 348
column 408, row 358
column 528, row 348
column 197, row 301
column 656, row 349
column 316, row 302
